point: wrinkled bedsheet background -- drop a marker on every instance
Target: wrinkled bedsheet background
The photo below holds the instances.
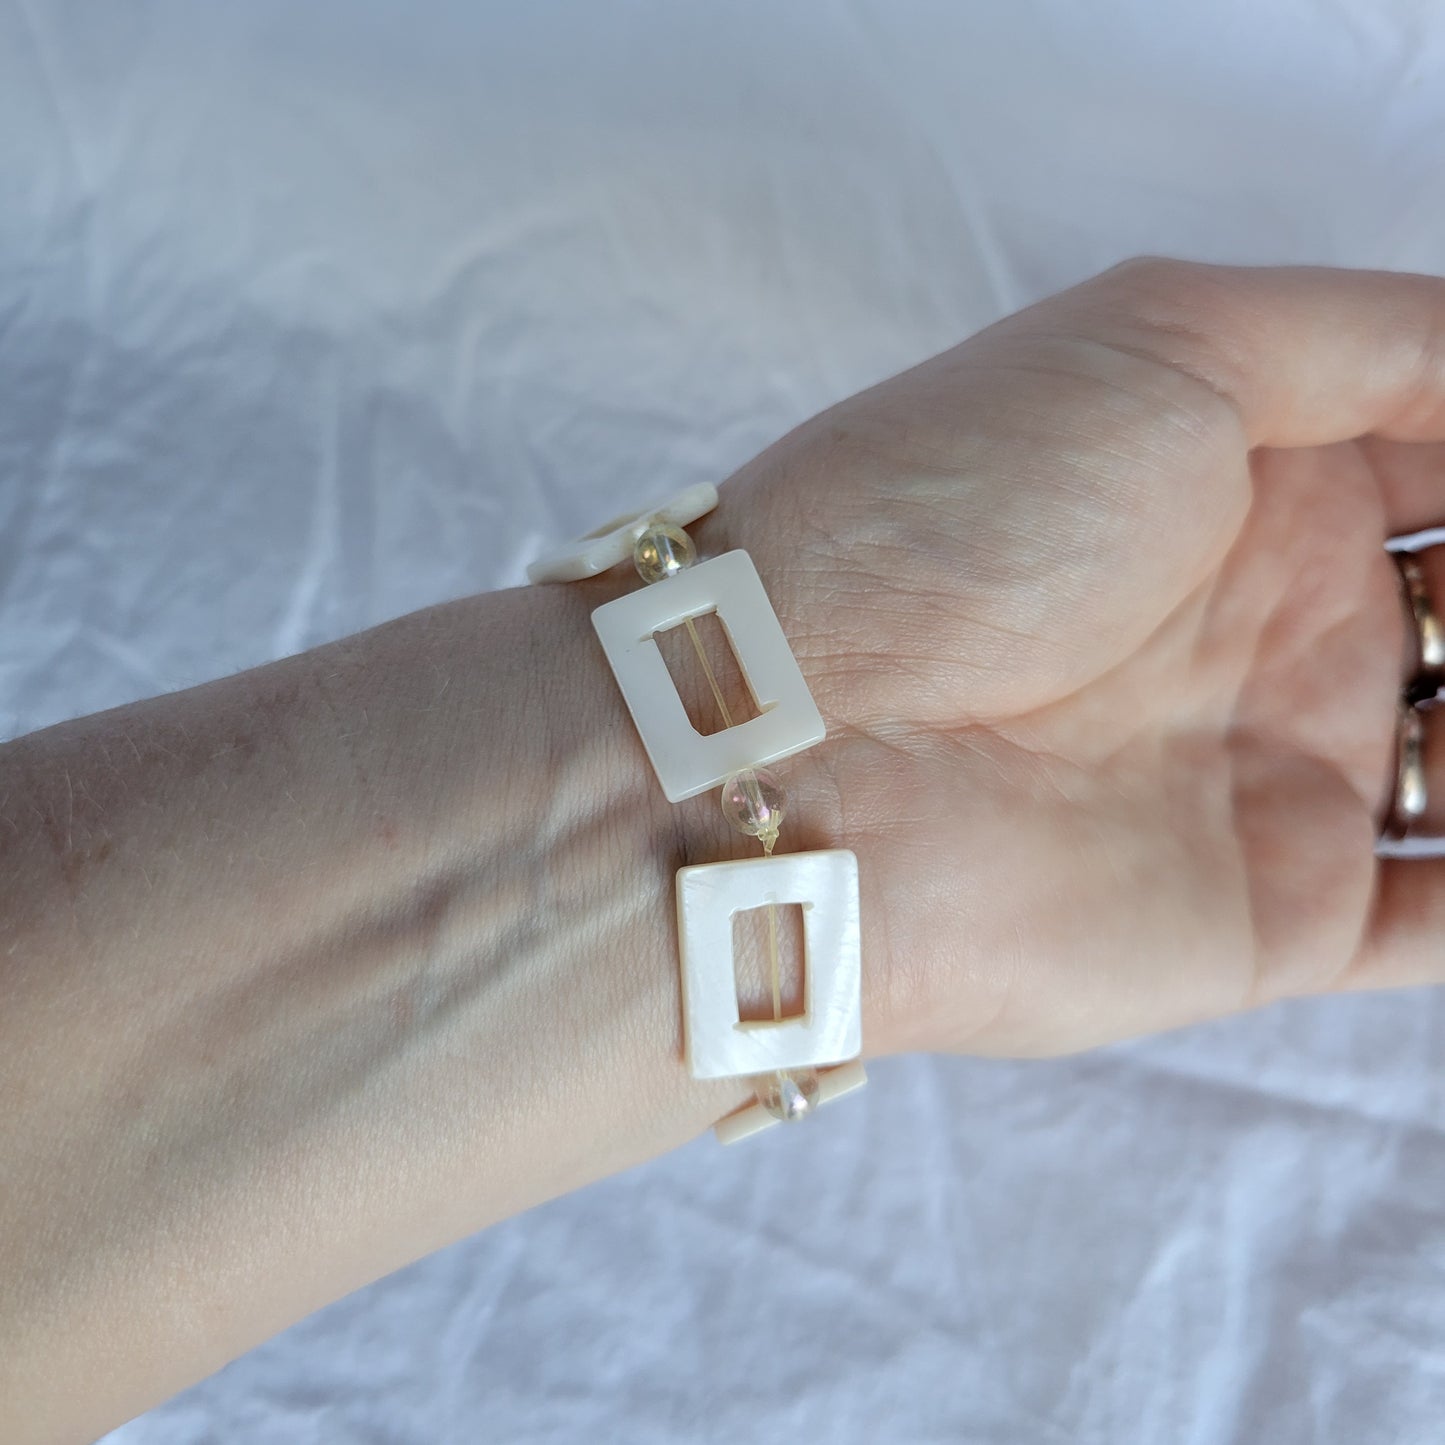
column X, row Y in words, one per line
column 314, row 314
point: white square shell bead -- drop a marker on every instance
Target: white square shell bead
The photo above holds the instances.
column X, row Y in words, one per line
column 830, row 1029
column 685, row 761
column 612, row 542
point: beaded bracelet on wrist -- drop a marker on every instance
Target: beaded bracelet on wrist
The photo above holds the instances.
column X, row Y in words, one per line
column 795, row 1061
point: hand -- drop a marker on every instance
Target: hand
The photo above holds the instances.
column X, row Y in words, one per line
column 1098, row 611
column 318, row 967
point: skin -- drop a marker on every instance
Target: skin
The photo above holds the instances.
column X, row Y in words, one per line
column 314, row 969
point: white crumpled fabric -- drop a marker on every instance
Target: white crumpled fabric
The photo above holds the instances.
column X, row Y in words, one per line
column 314, row 314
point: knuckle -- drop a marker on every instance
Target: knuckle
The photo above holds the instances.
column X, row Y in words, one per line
column 1193, row 318
column 1172, row 293
column 1147, row 268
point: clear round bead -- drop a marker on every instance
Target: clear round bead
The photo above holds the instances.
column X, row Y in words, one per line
column 662, row 551
column 790, row 1095
column 753, row 801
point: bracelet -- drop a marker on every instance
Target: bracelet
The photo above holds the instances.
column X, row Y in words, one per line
column 796, row 1061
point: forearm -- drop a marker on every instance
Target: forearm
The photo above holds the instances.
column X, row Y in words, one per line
column 311, row 970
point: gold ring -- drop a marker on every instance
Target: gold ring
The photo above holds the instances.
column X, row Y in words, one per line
column 1429, row 634
column 1411, row 795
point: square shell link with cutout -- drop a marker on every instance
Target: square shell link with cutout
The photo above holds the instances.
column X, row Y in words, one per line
column 829, row 1030
column 685, row 761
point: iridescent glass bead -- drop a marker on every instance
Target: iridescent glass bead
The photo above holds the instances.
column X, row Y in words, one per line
column 790, row 1095
column 662, row 551
column 753, row 801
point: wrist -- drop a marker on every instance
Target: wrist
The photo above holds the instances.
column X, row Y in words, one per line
column 688, row 623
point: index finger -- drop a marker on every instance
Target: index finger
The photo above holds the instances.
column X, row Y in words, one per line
column 1305, row 356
